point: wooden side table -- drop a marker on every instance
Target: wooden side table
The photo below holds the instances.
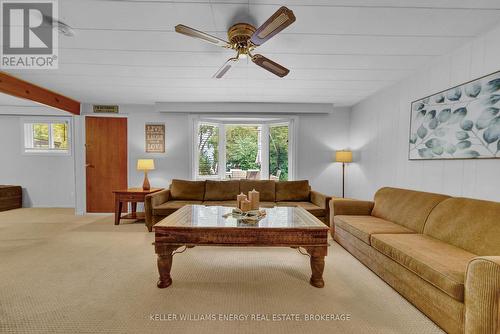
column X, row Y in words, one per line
column 133, row 196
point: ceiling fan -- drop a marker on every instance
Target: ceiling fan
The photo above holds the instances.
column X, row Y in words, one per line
column 244, row 38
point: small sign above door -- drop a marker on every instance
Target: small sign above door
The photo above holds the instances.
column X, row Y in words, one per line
column 105, row 109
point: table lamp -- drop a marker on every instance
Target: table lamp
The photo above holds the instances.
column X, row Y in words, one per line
column 344, row 157
column 145, row 165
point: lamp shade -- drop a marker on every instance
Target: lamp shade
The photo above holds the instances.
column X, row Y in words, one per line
column 145, row 164
column 343, row 156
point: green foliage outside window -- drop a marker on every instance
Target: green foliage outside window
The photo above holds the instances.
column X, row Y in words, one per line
column 242, row 146
column 278, row 151
column 41, row 135
column 60, row 135
column 242, row 149
column 49, row 136
column 208, row 148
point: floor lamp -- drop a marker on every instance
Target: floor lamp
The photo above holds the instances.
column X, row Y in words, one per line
column 344, row 157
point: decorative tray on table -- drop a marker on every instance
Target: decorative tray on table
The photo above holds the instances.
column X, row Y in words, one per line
column 248, row 217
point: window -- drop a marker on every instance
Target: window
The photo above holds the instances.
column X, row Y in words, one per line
column 278, row 152
column 243, row 151
column 208, row 150
column 238, row 148
column 46, row 136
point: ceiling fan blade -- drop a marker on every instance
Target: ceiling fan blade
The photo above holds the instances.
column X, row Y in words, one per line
column 277, row 22
column 226, row 67
column 270, row 65
column 63, row 28
column 185, row 30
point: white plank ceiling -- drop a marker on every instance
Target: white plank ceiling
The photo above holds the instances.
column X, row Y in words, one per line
column 338, row 51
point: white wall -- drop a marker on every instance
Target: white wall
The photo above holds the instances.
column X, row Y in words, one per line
column 319, row 136
column 380, row 127
column 47, row 181
column 174, row 163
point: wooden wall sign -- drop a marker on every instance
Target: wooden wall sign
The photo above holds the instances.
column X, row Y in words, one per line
column 155, row 138
column 105, row 109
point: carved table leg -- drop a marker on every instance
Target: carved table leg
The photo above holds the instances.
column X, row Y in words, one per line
column 164, row 266
column 317, row 265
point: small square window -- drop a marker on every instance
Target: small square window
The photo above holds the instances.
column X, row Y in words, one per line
column 47, row 136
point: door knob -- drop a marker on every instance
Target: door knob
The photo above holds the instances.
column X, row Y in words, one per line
column 89, row 165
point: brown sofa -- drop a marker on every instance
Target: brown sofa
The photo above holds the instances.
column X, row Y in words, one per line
column 439, row 252
column 272, row 193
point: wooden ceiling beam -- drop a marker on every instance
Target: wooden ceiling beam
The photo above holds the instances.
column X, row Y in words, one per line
column 19, row 88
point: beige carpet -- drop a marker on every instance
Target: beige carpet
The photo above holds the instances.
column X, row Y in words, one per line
column 65, row 274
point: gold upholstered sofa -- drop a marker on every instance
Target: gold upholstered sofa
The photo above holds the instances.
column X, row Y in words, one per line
column 441, row 253
column 284, row 193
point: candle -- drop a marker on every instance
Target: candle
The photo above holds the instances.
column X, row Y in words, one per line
column 254, row 198
column 246, row 205
column 239, row 199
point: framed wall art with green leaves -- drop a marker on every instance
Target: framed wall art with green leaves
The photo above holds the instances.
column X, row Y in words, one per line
column 462, row 122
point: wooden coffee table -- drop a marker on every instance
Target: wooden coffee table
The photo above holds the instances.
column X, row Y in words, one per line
column 198, row 225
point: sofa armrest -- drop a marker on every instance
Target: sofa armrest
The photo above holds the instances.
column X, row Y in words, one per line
column 482, row 295
column 150, row 202
column 319, row 199
column 322, row 201
column 350, row 207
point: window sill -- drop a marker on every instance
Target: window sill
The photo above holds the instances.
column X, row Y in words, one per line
column 53, row 153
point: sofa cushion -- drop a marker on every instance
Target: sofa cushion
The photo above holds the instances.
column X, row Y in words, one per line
column 441, row 264
column 222, row 190
column 187, row 190
column 362, row 227
column 266, row 188
column 405, row 207
column 310, row 207
column 170, row 207
column 296, row 191
column 220, row 203
column 267, row 204
column 473, row 225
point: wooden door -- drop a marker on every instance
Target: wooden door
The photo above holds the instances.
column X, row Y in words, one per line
column 106, row 161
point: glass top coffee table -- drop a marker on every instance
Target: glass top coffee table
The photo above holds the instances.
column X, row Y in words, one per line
column 198, row 225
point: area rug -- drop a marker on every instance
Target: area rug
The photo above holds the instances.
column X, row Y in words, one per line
column 61, row 273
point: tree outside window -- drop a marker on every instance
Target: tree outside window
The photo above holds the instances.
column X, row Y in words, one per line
column 51, row 136
column 208, row 150
column 242, row 147
column 243, row 151
column 278, row 151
